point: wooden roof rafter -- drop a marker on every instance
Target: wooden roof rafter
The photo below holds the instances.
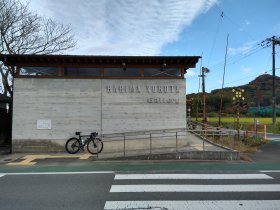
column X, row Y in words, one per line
column 180, row 61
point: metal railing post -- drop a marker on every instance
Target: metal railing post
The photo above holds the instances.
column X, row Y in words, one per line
column 204, row 139
column 176, row 141
column 150, row 143
column 123, row 145
column 233, row 140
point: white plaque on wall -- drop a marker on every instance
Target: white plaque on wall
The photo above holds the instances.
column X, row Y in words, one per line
column 44, row 124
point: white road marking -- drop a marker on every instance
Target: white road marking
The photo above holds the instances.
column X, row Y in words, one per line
column 191, row 176
column 202, row 204
column 197, row 188
column 60, row 173
column 270, row 171
column 1, row 175
column 274, row 139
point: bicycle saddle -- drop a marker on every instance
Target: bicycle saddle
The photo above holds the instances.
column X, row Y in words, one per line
column 78, row 133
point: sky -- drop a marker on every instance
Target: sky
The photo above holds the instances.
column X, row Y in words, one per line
column 176, row 28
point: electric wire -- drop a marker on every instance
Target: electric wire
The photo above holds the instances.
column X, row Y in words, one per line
column 231, row 21
column 236, row 58
column 215, row 38
column 244, row 78
column 255, row 48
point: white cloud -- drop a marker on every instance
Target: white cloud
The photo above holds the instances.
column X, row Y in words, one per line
column 123, row 27
column 246, row 70
column 190, row 73
column 245, row 48
column 247, row 22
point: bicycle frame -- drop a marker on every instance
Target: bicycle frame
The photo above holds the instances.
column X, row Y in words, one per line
column 83, row 141
column 90, row 137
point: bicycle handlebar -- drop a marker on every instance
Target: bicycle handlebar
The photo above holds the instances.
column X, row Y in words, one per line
column 94, row 134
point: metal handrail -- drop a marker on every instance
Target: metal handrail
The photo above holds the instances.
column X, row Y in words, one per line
column 167, row 136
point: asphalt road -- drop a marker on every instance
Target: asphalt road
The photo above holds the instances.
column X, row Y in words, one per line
column 80, row 191
column 113, row 190
column 268, row 153
column 98, row 184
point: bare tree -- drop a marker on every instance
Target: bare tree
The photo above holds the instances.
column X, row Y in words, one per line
column 25, row 32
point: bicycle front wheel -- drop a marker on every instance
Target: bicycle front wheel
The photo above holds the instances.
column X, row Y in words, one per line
column 72, row 145
column 95, row 146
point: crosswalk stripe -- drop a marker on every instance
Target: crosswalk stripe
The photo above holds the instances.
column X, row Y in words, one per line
column 197, row 188
column 191, row 176
column 202, row 204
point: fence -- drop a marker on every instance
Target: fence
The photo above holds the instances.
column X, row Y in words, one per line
column 256, row 131
column 174, row 142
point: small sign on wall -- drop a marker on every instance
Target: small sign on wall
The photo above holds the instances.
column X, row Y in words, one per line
column 44, row 124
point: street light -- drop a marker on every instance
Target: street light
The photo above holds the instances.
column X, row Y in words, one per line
column 237, row 98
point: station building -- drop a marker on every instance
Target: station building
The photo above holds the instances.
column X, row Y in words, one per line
column 57, row 95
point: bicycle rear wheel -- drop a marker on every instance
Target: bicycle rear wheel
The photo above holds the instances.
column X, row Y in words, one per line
column 72, row 145
column 95, row 146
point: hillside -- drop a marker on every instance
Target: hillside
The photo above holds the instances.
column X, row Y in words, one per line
column 257, row 93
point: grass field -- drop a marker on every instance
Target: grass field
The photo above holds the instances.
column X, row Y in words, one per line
column 248, row 144
column 247, row 120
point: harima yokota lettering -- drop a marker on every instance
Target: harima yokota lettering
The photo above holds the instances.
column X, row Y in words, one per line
column 162, row 88
column 138, row 89
column 123, row 89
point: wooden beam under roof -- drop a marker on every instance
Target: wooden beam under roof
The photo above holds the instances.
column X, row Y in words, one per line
column 99, row 60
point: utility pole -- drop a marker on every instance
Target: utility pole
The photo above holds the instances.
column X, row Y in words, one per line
column 273, row 82
column 204, row 70
column 274, row 41
column 222, row 92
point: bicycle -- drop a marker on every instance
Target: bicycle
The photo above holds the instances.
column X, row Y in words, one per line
column 94, row 144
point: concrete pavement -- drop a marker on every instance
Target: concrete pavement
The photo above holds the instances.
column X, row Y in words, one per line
column 157, row 146
column 266, row 155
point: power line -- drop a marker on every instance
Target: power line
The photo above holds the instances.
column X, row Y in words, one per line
column 255, row 75
column 257, row 49
column 247, row 55
column 236, row 58
column 215, row 38
column 231, row 21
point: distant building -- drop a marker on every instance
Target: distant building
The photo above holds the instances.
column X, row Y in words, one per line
column 56, row 95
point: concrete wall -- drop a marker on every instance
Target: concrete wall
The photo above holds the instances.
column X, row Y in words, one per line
column 49, row 111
